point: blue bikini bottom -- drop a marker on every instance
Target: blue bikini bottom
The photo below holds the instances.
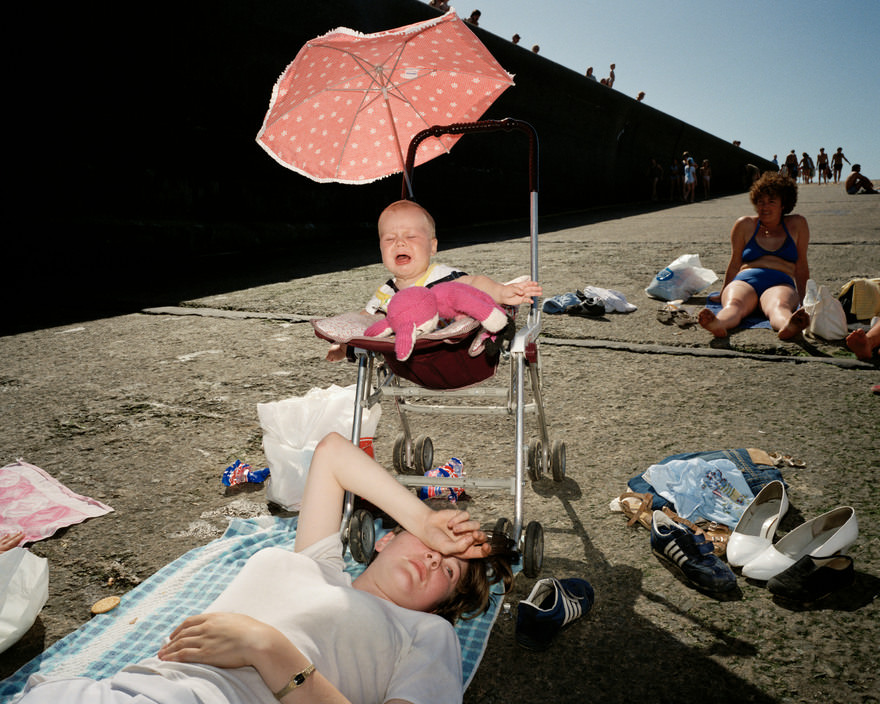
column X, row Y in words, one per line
column 762, row 279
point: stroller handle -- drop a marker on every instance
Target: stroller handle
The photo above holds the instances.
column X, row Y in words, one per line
column 507, row 124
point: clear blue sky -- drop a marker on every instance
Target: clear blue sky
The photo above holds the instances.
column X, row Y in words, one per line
column 775, row 74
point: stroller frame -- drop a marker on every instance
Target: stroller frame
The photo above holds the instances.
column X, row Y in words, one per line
column 413, row 456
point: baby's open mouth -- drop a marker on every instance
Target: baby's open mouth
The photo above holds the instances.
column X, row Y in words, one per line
column 402, row 258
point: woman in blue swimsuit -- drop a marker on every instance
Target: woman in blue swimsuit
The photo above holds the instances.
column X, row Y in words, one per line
column 768, row 263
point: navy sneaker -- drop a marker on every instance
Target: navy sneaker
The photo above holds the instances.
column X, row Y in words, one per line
column 690, row 554
column 552, row 604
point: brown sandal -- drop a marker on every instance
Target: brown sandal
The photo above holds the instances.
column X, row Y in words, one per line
column 637, row 507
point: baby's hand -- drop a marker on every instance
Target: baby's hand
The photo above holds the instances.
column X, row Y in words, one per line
column 520, row 292
column 335, row 353
column 10, row 540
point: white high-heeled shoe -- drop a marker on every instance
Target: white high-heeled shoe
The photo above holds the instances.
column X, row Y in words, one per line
column 756, row 527
column 823, row 536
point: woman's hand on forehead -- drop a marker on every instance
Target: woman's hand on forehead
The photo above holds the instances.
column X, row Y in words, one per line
column 454, row 534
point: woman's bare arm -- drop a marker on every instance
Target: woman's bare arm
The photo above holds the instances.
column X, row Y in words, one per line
column 738, row 238
column 802, row 267
column 230, row 640
column 338, row 465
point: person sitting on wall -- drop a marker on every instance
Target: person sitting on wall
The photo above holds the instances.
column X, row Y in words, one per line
column 857, row 183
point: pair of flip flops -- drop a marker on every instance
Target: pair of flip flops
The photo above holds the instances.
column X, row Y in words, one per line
column 676, row 316
column 577, row 303
column 781, row 460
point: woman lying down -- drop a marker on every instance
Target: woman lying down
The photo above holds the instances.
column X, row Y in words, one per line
column 294, row 627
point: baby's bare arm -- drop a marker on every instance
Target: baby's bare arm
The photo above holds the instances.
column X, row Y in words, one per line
column 505, row 294
column 338, row 351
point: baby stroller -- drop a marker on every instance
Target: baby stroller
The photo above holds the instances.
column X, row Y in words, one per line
column 443, row 366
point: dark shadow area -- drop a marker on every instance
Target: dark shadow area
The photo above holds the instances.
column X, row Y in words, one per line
column 131, row 271
column 30, row 646
column 862, row 592
column 137, row 180
column 621, row 653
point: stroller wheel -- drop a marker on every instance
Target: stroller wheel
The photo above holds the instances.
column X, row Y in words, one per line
column 536, row 460
column 533, row 550
column 557, row 460
column 503, row 525
column 361, row 535
column 398, row 457
column 423, row 454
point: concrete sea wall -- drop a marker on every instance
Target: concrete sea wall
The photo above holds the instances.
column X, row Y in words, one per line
column 139, row 143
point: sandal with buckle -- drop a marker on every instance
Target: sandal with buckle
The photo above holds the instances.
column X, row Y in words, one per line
column 637, row 507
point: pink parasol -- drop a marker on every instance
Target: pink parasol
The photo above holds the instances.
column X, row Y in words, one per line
column 345, row 109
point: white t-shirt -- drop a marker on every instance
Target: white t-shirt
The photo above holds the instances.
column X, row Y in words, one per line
column 435, row 274
column 370, row 649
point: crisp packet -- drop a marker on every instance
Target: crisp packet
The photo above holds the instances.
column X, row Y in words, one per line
column 454, row 468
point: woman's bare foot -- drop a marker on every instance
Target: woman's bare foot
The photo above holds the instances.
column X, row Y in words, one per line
column 706, row 318
column 798, row 321
column 858, row 343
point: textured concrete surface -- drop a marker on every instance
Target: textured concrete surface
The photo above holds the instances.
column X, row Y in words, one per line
column 144, row 411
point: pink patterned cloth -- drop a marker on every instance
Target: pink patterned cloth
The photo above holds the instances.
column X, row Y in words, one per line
column 34, row 502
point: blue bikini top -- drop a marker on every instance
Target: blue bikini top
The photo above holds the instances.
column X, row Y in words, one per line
column 788, row 251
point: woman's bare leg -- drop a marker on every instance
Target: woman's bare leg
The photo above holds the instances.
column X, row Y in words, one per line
column 799, row 321
column 780, row 305
column 738, row 300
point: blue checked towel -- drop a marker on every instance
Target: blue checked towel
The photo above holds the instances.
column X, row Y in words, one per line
column 148, row 613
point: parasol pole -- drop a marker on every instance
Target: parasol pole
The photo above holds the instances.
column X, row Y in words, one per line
column 394, row 131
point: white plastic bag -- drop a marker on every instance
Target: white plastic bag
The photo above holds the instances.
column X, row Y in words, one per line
column 24, row 589
column 827, row 317
column 681, row 279
column 293, row 427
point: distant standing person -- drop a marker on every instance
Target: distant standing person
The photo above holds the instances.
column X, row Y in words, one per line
column 690, row 180
column 656, row 174
column 791, row 165
column 822, row 165
column 856, row 183
column 706, row 177
column 610, row 81
column 674, row 178
column 752, row 174
column 837, row 160
column 807, row 168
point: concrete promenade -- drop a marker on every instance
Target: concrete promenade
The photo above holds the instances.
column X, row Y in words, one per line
column 143, row 410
